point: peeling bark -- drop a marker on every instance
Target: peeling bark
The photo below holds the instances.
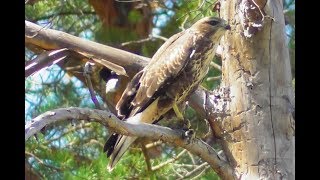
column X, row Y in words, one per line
column 260, row 133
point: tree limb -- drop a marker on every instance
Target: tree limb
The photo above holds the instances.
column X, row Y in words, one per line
column 49, row 39
column 154, row 132
column 43, row 163
column 146, row 158
column 216, row 66
column 200, row 169
column 154, row 168
column 87, row 72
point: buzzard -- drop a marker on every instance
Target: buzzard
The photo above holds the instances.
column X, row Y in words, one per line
column 173, row 73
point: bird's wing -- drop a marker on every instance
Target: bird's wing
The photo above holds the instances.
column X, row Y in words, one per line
column 166, row 64
column 124, row 106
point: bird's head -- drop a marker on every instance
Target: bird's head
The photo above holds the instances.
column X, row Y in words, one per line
column 213, row 27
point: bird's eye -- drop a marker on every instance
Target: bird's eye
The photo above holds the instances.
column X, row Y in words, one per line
column 213, row 22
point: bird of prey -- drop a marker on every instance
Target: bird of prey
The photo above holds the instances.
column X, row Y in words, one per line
column 173, row 73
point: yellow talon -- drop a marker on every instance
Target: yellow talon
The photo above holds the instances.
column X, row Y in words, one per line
column 177, row 111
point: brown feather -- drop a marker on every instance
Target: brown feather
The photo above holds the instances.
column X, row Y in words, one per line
column 164, row 66
column 124, row 106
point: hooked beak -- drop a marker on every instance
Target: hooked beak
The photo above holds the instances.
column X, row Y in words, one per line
column 227, row 27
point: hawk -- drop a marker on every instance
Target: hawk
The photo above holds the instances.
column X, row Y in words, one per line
column 173, row 73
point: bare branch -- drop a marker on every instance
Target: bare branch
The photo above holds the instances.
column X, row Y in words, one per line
column 49, row 39
column 191, row 157
column 146, row 157
column 216, row 66
column 80, row 126
column 176, row 172
column 43, row 60
column 86, row 74
column 186, row 165
column 150, row 38
column 159, row 37
column 153, row 144
column 183, row 23
column 154, row 168
column 154, row 132
column 137, row 41
column 49, row 58
column 213, row 78
column 42, row 163
column 200, row 169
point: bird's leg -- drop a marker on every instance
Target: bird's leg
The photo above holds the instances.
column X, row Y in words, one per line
column 177, row 111
column 186, row 123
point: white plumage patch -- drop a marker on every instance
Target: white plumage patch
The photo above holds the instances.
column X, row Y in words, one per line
column 111, row 85
column 30, row 65
column 192, row 53
column 56, row 51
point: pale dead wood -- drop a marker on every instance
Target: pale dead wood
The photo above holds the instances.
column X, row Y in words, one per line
column 154, row 168
column 49, row 39
column 154, row 132
column 146, row 157
column 196, row 171
column 216, row 66
column 256, row 68
column 87, row 72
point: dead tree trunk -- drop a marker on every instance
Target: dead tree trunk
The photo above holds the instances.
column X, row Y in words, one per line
column 259, row 130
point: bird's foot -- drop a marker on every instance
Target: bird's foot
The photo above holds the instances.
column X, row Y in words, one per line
column 188, row 135
column 186, row 125
column 188, row 132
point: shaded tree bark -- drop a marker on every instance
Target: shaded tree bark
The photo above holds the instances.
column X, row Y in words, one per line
column 259, row 131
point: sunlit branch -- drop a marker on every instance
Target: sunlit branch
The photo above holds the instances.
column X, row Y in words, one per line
column 146, row 157
column 42, row 163
column 216, row 66
column 154, row 168
column 87, row 72
column 200, row 169
column 153, row 132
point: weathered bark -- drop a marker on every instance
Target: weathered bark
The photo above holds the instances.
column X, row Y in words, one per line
column 259, row 131
column 154, row 132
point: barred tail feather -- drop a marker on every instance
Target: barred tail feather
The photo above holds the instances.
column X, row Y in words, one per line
column 117, row 144
column 119, row 150
column 121, row 145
